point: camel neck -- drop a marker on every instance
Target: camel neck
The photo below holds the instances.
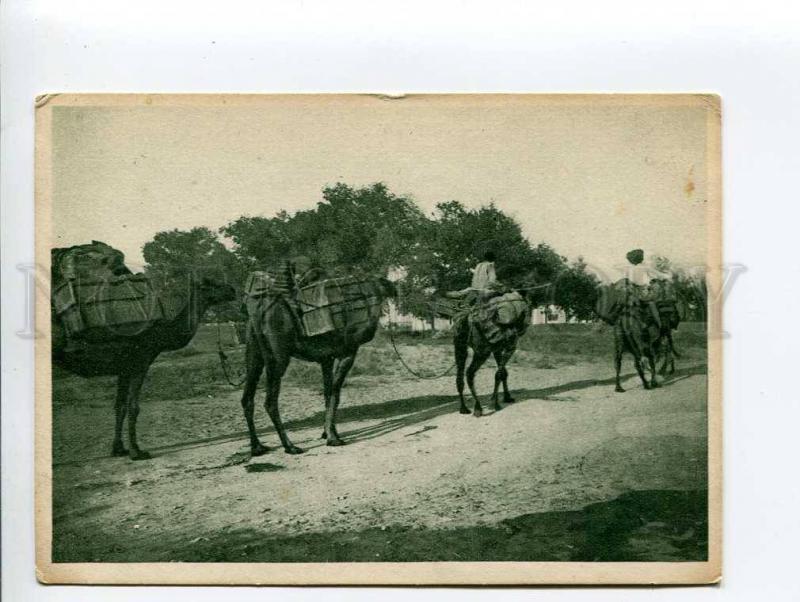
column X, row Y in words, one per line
column 184, row 327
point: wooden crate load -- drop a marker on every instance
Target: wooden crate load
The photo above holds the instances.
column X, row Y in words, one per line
column 99, row 309
column 338, row 304
column 95, row 297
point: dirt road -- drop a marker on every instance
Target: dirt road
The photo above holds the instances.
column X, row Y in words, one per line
column 415, row 471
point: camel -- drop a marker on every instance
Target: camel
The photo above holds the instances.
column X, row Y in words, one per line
column 274, row 337
column 638, row 331
column 468, row 335
column 129, row 357
column 633, row 334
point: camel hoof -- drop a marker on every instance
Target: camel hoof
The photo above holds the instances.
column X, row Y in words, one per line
column 259, row 450
column 464, row 410
column 655, row 385
column 118, row 451
column 294, row 450
column 619, row 389
column 336, row 442
column 139, row 454
column 509, row 399
column 324, row 435
column 477, row 413
column 647, row 386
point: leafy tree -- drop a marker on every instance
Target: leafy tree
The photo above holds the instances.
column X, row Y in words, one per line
column 366, row 230
column 199, row 251
column 575, row 291
column 454, row 239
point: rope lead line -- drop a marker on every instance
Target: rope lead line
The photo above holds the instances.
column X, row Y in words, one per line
column 409, row 368
column 223, row 361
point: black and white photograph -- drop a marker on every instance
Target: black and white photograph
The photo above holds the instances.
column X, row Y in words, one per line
column 377, row 339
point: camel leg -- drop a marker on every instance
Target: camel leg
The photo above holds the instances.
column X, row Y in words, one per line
column 637, row 360
column 135, row 388
column 275, row 371
column 665, row 363
column 330, row 416
column 651, row 360
column 497, row 380
column 255, row 366
column 461, row 352
column 120, row 410
column 478, row 358
column 502, row 360
column 651, row 355
column 327, row 390
column 672, row 354
column 618, row 362
column 636, row 345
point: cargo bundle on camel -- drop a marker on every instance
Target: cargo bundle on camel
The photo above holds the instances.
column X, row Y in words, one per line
column 299, row 313
column 108, row 321
column 643, row 318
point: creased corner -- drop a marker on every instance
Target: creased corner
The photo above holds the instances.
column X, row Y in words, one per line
column 43, row 99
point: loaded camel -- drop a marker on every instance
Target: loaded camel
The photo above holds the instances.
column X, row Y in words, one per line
column 632, row 333
column 275, row 336
column 129, row 357
column 642, row 327
column 468, row 334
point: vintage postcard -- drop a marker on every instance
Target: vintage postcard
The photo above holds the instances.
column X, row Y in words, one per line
column 365, row 339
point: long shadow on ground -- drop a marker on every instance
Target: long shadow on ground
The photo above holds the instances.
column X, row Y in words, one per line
column 655, row 525
column 400, row 413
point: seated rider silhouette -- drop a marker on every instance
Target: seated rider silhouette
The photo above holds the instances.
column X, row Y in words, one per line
column 640, row 278
column 484, row 282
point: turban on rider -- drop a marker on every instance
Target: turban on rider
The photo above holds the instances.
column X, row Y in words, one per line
column 636, row 256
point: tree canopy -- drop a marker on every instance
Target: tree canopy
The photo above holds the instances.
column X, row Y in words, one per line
column 199, row 251
column 367, row 230
column 372, row 230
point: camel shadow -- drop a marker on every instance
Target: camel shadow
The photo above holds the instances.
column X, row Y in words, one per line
column 396, row 414
column 549, row 392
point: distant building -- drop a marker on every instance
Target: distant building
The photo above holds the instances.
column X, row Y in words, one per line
column 411, row 322
column 549, row 314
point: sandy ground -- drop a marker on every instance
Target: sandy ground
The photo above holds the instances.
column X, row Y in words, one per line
column 412, row 461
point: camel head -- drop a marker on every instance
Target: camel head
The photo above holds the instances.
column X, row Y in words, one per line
column 214, row 293
column 535, row 296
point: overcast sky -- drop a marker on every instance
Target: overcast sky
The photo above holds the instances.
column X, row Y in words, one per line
column 591, row 178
